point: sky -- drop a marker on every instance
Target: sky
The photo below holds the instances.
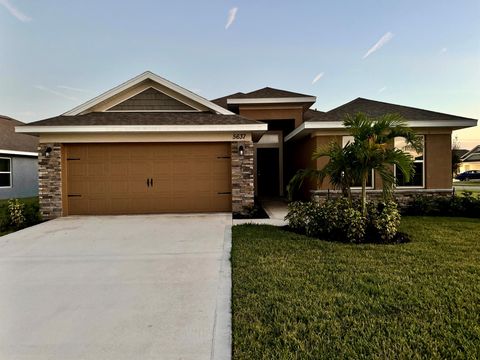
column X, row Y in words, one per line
column 55, row 55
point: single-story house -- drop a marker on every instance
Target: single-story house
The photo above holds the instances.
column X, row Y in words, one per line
column 470, row 160
column 151, row 146
column 18, row 161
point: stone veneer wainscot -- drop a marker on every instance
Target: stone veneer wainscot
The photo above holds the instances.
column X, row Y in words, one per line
column 242, row 177
column 50, row 181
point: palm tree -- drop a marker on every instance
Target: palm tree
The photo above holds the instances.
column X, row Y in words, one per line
column 338, row 169
column 371, row 149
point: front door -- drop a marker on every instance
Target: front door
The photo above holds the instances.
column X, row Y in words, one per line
column 268, row 172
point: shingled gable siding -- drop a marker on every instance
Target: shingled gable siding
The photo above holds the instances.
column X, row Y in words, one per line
column 242, row 178
column 50, row 181
column 151, row 99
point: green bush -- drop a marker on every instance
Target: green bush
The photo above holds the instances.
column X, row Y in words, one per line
column 465, row 205
column 340, row 220
column 19, row 213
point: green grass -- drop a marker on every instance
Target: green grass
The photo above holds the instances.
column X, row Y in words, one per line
column 296, row 297
column 466, row 183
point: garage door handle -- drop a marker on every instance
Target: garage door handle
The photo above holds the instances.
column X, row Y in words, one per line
column 148, row 182
column 151, row 182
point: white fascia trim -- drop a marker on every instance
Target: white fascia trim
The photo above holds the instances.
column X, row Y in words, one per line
column 138, row 79
column 331, row 125
column 14, row 152
column 305, row 99
column 141, row 128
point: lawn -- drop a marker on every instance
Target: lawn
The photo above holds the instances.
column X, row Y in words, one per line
column 296, row 297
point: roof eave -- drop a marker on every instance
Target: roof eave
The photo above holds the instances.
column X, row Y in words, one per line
column 311, row 126
column 140, row 128
column 278, row 100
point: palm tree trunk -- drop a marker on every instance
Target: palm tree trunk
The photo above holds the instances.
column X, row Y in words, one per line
column 364, row 194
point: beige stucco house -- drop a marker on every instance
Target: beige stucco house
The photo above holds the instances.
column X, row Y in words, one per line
column 151, row 146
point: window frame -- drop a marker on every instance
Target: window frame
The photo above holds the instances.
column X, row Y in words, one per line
column 415, row 161
column 7, row 172
column 372, row 186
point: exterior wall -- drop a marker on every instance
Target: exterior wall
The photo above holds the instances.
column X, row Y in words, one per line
column 24, row 178
column 438, row 161
column 473, row 165
column 272, row 113
column 50, row 181
column 242, row 177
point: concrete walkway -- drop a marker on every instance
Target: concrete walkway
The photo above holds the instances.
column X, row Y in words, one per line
column 276, row 209
column 117, row 287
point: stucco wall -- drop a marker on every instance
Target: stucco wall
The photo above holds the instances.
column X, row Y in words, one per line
column 24, row 178
column 438, row 161
column 272, row 113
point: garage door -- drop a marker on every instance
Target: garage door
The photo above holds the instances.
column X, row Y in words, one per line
column 148, row 178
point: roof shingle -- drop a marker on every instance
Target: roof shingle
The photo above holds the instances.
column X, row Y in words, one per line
column 9, row 140
column 144, row 118
column 378, row 108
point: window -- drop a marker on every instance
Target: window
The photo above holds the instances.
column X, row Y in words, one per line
column 345, row 141
column 416, row 180
column 5, row 172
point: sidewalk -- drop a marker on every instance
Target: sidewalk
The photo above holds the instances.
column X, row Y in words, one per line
column 276, row 210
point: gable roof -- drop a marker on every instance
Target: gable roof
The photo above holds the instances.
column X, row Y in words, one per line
column 147, row 75
column 379, row 108
column 222, row 101
column 10, row 142
column 472, row 155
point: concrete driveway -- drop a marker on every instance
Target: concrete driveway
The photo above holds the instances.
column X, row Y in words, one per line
column 117, row 287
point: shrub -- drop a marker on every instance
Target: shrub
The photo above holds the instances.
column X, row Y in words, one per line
column 19, row 213
column 340, row 220
column 16, row 212
column 465, row 205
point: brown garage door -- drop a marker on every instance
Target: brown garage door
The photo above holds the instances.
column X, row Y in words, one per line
column 148, row 178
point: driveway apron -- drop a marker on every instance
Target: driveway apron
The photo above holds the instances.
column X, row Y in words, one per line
column 117, row 287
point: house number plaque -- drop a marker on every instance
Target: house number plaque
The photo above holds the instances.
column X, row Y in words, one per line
column 239, row 136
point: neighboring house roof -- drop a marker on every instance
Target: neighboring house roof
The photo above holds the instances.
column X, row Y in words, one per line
column 379, row 108
column 459, row 152
column 147, row 75
column 13, row 143
column 472, row 155
column 144, row 118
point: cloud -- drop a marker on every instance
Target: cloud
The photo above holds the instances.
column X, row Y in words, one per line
column 65, row 87
column 232, row 14
column 383, row 40
column 59, row 94
column 14, row 11
column 318, row 77
column 443, row 50
column 382, row 89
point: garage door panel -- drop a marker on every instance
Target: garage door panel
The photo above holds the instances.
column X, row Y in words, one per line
column 112, row 178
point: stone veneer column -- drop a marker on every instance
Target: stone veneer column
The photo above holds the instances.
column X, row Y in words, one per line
column 50, row 181
column 242, row 177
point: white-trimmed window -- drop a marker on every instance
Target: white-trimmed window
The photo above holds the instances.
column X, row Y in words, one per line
column 5, row 172
column 418, row 179
column 370, row 179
